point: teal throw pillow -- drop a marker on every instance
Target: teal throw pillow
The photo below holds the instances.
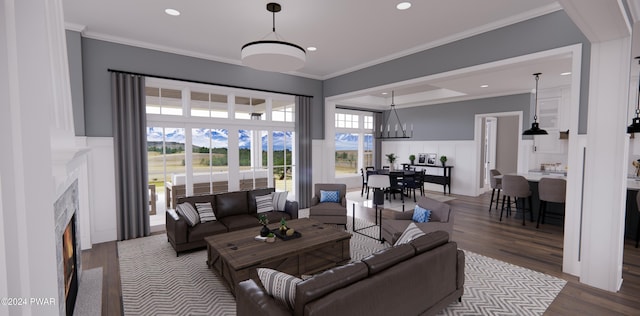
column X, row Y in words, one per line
column 329, row 196
column 421, row 215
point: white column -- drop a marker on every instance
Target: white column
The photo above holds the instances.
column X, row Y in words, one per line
column 27, row 54
column 233, row 159
column 605, row 177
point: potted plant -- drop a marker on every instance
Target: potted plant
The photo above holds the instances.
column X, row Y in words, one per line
column 391, row 158
column 262, row 219
column 443, row 160
column 412, row 158
column 271, row 237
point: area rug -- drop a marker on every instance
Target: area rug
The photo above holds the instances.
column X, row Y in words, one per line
column 156, row 282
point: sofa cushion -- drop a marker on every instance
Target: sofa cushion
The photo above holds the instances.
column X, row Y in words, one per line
column 279, row 200
column 329, row 209
column 429, row 241
column 275, row 216
column 329, row 281
column 280, row 285
column 439, row 210
column 412, row 232
column 231, row 203
column 203, row 230
column 189, row 213
column 264, row 203
column 421, row 215
column 236, row 222
column 388, row 257
column 205, row 210
column 252, row 197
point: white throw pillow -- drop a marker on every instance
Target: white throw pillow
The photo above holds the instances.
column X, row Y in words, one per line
column 205, row 210
column 279, row 200
column 264, row 203
column 412, row 232
column 280, row 285
column 189, row 213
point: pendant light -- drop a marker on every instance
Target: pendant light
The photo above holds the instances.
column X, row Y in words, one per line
column 403, row 127
column 273, row 55
column 635, row 125
column 535, row 129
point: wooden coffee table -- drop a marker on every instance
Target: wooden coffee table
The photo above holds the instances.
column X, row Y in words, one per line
column 235, row 256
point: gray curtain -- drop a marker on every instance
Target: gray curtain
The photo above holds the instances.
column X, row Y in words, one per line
column 303, row 150
column 377, row 142
column 130, row 147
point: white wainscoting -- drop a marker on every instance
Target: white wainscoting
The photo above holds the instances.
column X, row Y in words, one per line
column 102, row 184
column 460, row 154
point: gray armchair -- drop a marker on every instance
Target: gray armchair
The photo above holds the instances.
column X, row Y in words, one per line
column 329, row 212
column 394, row 223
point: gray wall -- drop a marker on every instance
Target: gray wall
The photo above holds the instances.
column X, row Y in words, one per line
column 456, row 120
column 74, row 54
column 507, row 144
column 99, row 56
column 539, row 34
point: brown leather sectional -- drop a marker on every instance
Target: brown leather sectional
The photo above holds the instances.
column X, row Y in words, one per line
column 418, row 278
column 234, row 211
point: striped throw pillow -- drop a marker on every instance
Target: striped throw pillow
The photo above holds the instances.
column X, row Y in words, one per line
column 280, row 285
column 264, row 203
column 189, row 213
column 205, row 210
column 412, row 232
column 279, row 200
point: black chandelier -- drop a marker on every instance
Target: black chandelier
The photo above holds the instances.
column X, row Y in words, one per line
column 403, row 127
column 535, row 128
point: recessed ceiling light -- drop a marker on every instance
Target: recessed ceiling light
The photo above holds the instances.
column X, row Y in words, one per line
column 484, row 86
column 565, row 73
column 403, row 5
column 384, row 93
column 312, row 49
column 172, row 12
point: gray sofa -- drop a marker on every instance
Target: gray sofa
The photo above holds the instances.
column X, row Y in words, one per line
column 421, row 277
column 233, row 210
column 394, row 223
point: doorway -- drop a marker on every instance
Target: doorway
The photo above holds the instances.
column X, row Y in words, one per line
column 498, row 143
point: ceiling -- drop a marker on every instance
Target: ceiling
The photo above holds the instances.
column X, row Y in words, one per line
column 348, row 34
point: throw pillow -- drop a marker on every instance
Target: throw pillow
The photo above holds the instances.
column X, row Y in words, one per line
column 205, row 210
column 421, row 215
column 189, row 213
column 412, row 232
column 279, row 200
column 329, row 196
column 264, row 203
column 279, row 285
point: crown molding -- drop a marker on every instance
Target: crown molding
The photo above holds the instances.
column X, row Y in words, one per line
column 75, row 27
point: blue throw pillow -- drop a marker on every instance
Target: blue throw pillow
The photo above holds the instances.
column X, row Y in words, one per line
column 421, row 215
column 329, row 196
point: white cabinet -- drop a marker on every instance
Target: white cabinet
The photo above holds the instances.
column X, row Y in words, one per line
column 549, row 119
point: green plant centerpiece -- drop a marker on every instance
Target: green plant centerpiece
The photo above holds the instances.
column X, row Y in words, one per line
column 284, row 229
column 412, row 158
column 271, row 237
column 391, row 158
column 264, row 220
column 443, row 160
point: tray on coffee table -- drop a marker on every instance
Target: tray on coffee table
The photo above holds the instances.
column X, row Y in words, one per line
column 284, row 236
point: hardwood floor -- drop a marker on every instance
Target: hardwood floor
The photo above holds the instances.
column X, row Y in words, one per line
column 477, row 230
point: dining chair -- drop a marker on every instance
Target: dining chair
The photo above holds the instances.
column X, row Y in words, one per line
column 517, row 187
column 496, row 184
column 420, row 180
column 364, row 182
column 396, row 184
column 550, row 190
column 369, row 173
column 410, row 184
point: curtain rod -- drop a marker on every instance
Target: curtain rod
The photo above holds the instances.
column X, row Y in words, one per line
column 205, row 82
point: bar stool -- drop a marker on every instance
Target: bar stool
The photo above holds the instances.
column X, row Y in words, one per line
column 550, row 190
column 496, row 184
column 517, row 187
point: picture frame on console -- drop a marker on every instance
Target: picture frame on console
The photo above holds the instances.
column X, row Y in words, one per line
column 431, row 159
column 422, row 159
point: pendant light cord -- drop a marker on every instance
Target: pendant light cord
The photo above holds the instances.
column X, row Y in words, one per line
column 535, row 114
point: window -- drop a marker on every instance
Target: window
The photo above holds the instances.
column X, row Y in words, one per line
column 205, row 104
column 353, row 141
column 164, row 101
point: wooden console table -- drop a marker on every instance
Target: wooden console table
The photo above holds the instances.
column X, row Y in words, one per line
column 444, row 180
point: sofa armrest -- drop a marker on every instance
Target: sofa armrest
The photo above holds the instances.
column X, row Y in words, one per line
column 460, row 266
column 251, row 299
column 315, row 200
column 408, row 215
column 176, row 229
column 291, row 207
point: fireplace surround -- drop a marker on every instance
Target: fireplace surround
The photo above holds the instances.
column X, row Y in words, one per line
column 68, row 250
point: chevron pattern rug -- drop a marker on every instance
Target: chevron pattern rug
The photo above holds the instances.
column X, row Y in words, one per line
column 156, row 282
